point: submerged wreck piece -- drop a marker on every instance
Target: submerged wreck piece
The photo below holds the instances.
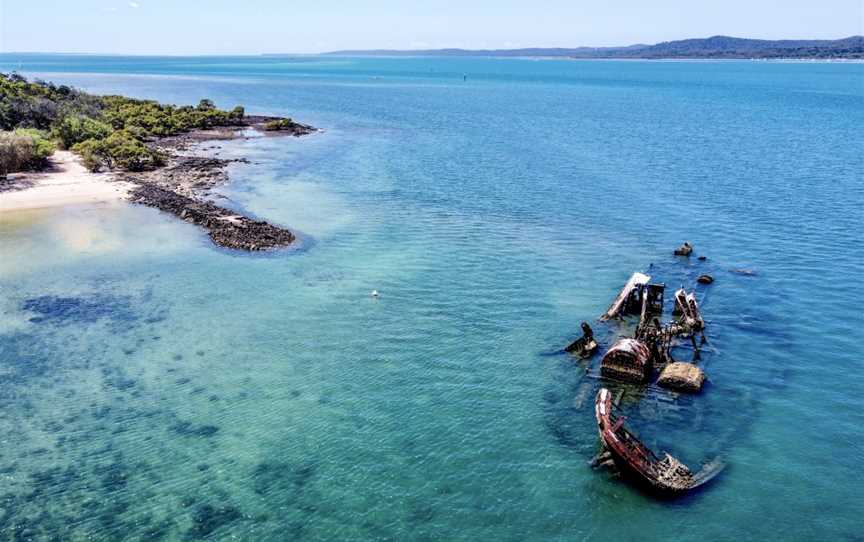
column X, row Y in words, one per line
column 688, row 310
column 684, row 250
column 628, row 299
column 666, row 475
column 628, row 360
column 682, row 376
column 585, row 346
column 705, row 279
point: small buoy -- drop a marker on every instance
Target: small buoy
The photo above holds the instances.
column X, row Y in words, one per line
column 374, row 293
column 705, row 279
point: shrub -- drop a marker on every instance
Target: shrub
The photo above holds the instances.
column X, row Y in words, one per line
column 131, row 154
column 43, row 147
column 279, row 124
column 119, row 150
column 23, row 149
column 93, row 153
column 75, row 129
column 237, row 113
column 14, row 152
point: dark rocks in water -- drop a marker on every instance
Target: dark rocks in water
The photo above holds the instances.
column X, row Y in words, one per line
column 226, row 228
column 179, row 186
column 705, row 279
column 702, row 258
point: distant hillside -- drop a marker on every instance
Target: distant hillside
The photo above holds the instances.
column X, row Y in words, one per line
column 713, row 47
column 727, row 47
column 527, row 52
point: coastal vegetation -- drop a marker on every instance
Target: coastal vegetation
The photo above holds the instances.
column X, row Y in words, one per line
column 277, row 125
column 24, row 148
column 106, row 131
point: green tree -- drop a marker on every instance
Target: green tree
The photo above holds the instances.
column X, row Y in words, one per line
column 75, row 129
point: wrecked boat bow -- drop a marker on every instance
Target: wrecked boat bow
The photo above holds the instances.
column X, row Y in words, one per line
column 665, row 475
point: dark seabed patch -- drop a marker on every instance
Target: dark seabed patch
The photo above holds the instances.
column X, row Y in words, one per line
column 206, row 518
column 59, row 310
column 189, row 429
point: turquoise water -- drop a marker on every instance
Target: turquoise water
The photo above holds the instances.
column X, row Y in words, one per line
column 155, row 387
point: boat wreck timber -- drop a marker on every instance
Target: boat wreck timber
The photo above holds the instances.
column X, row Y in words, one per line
column 629, row 360
column 585, row 346
column 632, row 359
column 666, row 475
column 629, row 298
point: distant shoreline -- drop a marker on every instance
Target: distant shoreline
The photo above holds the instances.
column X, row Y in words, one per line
column 712, row 48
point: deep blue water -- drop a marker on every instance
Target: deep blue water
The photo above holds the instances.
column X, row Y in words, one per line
column 155, row 387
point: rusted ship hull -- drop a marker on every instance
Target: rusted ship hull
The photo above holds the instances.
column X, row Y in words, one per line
column 628, row 360
column 637, row 462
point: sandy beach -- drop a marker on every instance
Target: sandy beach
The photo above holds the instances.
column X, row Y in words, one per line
column 66, row 181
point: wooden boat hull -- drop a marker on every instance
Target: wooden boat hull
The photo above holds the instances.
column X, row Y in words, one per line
column 637, row 462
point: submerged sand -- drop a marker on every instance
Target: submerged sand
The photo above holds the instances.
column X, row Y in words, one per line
column 66, row 181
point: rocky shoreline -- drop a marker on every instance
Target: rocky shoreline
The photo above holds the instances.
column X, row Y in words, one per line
column 181, row 186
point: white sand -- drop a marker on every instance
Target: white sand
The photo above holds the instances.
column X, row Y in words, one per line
column 65, row 182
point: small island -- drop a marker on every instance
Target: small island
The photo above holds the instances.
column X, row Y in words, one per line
column 136, row 146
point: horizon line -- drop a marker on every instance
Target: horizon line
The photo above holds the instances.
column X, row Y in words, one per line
column 409, row 50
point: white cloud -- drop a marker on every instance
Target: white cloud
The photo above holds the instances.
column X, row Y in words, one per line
column 135, row 5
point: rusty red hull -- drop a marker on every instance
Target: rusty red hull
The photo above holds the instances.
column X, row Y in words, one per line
column 634, row 459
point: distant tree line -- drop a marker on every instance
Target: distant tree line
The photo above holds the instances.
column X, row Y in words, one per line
column 106, row 131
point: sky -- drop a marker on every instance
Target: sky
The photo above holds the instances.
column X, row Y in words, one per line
column 193, row 27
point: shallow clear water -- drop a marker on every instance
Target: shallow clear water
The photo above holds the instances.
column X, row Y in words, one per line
column 154, row 386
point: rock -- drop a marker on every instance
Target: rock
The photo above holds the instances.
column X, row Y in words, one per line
column 705, row 279
column 226, row 228
column 180, row 186
column 682, row 376
column 702, row 258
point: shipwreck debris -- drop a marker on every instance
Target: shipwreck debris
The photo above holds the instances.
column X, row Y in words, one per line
column 688, row 310
column 682, row 376
column 629, row 300
column 684, row 250
column 666, row 475
column 585, row 346
column 628, row 360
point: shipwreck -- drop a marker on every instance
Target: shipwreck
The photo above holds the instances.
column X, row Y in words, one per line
column 633, row 359
column 623, row 450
